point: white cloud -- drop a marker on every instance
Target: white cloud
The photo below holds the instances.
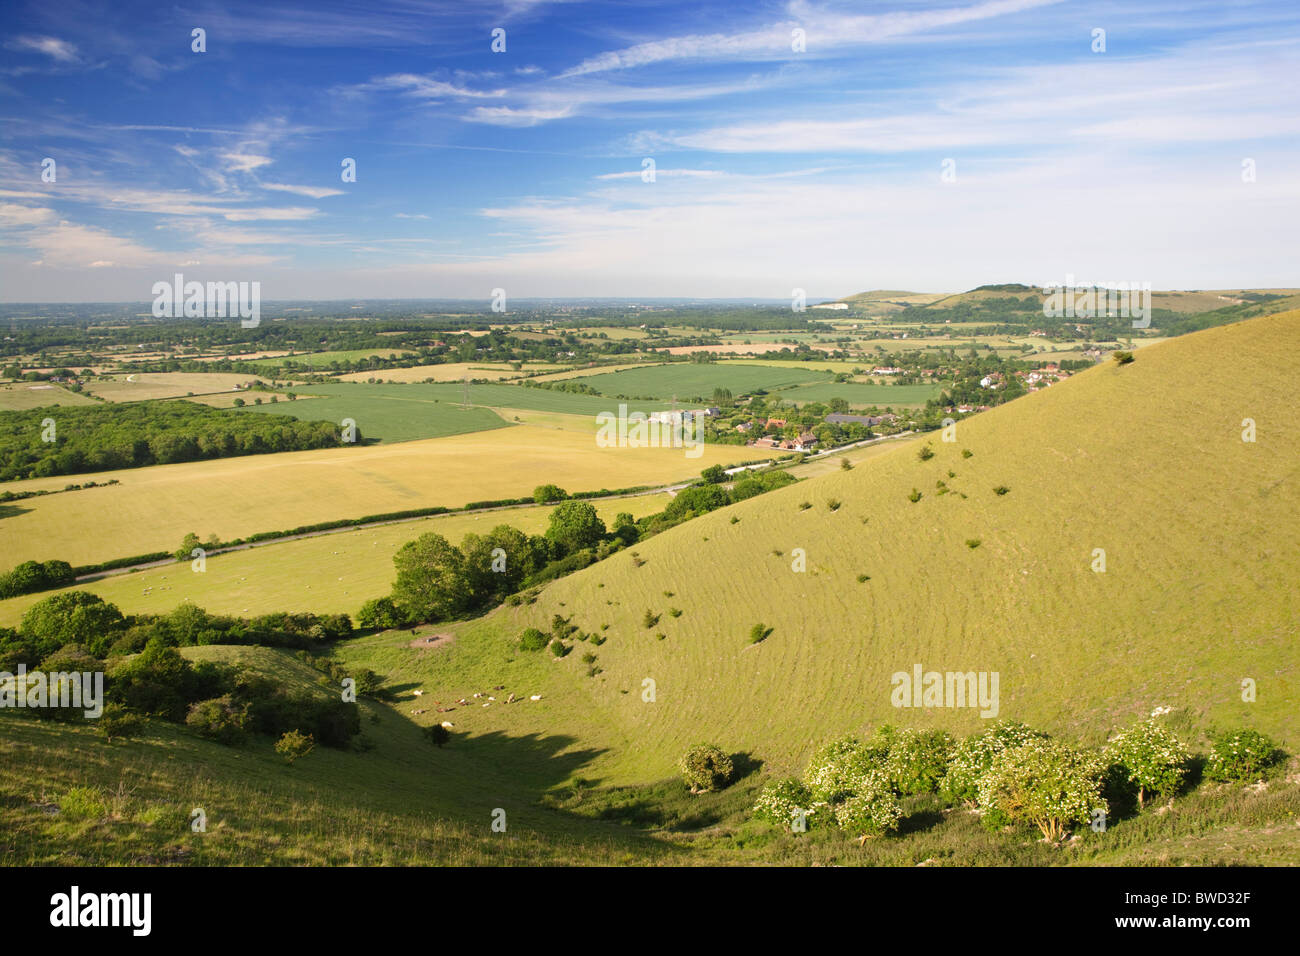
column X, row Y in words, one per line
column 59, row 50
column 314, row 192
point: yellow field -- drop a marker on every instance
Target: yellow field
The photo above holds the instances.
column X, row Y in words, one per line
column 328, row 574
column 19, row 397
column 153, row 508
column 145, row 385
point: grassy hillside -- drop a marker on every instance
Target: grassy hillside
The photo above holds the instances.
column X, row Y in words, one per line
column 1145, row 461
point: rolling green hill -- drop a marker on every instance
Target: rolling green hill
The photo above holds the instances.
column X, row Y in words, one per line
column 1145, row 461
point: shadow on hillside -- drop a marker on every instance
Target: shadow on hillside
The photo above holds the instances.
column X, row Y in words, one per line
column 12, row 511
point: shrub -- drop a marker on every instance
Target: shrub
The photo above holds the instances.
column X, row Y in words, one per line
column 966, row 453
column 863, row 578
column 546, row 494
column 117, row 721
column 1240, row 756
column 872, row 810
column 914, row 497
column 782, row 802
column 759, row 633
column 1043, row 782
column 837, row 769
column 1122, row 358
column 380, row 614
column 925, row 453
column 833, row 504
column 805, row 505
column 293, row 745
column 706, row 768
column 1150, row 758
column 918, row 760
column 649, row 619
column 219, row 719
column 846, row 465
column 674, row 612
column 972, row 758
column 1001, row 490
column 973, row 543
column 532, row 640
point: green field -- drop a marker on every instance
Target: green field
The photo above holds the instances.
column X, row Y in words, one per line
column 386, row 417
column 695, row 381
column 490, row 395
column 861, row 395
column 325, row 359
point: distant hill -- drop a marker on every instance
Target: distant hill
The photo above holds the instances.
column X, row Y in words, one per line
column 1144, row 461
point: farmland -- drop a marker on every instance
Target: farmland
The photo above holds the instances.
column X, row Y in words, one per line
column 154, row 507
column 21, row 396
column 141, row 386
column 328, row 573
column 384, row 416
column 695, row 381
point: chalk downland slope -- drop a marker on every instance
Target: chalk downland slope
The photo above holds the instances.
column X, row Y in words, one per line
column 1145, row 462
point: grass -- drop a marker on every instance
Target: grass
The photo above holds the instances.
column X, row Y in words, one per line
column 690, row 382
column 447, row 372
column 139, row 386
column 21, row 396
column 384, row 416
column 491, row 395
column 323, row 360
column 327, row 574
column 153, row 508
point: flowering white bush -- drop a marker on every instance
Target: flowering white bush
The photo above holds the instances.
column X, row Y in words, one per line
column 918, row 760
column 972, row 758
column 1151, row 758
column 872, row 809
column 1242, row 756
column 1043, row 782
column 837, row 769
column 783, row 801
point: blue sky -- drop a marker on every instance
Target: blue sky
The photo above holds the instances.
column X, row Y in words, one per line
column 775, row 168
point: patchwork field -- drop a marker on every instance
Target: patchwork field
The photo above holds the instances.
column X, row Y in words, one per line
column 326, row 574
column 153, row 508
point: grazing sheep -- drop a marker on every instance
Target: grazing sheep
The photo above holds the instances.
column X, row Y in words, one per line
column 418, row 693
column 448, row 724
column 510, row 699
column 536, row 697
column 416, row 713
